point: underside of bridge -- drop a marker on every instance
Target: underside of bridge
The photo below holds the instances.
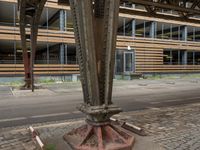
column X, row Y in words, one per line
column 95, row 27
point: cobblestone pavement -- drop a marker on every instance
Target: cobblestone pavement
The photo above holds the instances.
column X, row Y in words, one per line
column 16, row 140
column 174, row 128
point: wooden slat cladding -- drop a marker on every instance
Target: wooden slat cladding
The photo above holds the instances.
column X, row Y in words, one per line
column 146, row 57
column 153, row 44
column 40, row 69
column 148, row 52
column 144, row 44
column 168, row 68
column 52, row 36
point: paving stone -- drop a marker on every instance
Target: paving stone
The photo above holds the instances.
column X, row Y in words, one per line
column 174, row 128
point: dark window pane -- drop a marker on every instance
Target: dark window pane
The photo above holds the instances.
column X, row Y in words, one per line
column 166, row 57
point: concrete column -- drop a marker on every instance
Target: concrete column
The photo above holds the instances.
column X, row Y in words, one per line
column 48, row 56
column 15, row 52
column 144, row 29
column 179, row 33
column 184, row 58
column 65, row 20
column 62, row 20
column 133, row 27
column 62, row 53
column 194, row 30
column 153, row 26
column 66, row 48
column 179, row 57
column 15, row 45
column 184, row 33
column 155, row 29
column 47, row 18
column 124, row 23
column 124, row 26
column 171, row 27
column 162, row 30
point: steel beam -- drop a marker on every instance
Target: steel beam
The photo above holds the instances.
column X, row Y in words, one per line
column 29, row 15
column 166, row 5
column 130, row 12
column 95, row 26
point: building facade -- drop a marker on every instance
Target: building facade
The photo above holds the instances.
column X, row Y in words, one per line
column 145, row 45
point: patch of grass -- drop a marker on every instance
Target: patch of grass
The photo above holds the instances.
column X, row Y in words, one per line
column 50, row 147
column 46, row 81
column 154, row 77
column 172, row 76
column 191, row 76
column 12, row 83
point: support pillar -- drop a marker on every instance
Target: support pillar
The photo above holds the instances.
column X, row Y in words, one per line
column 66, row 19
column 179, row 57
column 152, row 29
column 184, row 58
column 29, row 13
column 62, row 28
column 62, row 53
column 184, row 33
column 62, row 20
column 48, row 56
column 133, row 27
column 95, row 27
column 66, row 54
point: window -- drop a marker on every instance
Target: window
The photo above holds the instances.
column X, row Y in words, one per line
column 197, row 58
column 175, row 32
column 167, row 31
column 147, row 25
column 8, row 19
column 124, row 61
column 197, row 34
column 191, row 34
column 159, row 30
column 125, row 27
column 128, row 61
column 190, row 58
column 167, row 57
column 119, row 62
column 140, row 30
column 175, row 57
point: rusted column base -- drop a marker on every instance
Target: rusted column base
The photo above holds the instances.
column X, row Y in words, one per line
column 104, row 136
column 27, row 85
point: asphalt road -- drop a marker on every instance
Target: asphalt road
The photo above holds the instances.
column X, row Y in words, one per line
column 17, row 111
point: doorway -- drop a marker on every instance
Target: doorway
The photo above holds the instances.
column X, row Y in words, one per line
column 129, row 61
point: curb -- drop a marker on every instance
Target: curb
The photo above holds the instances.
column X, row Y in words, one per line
column 35, row 137
column 129, row 126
